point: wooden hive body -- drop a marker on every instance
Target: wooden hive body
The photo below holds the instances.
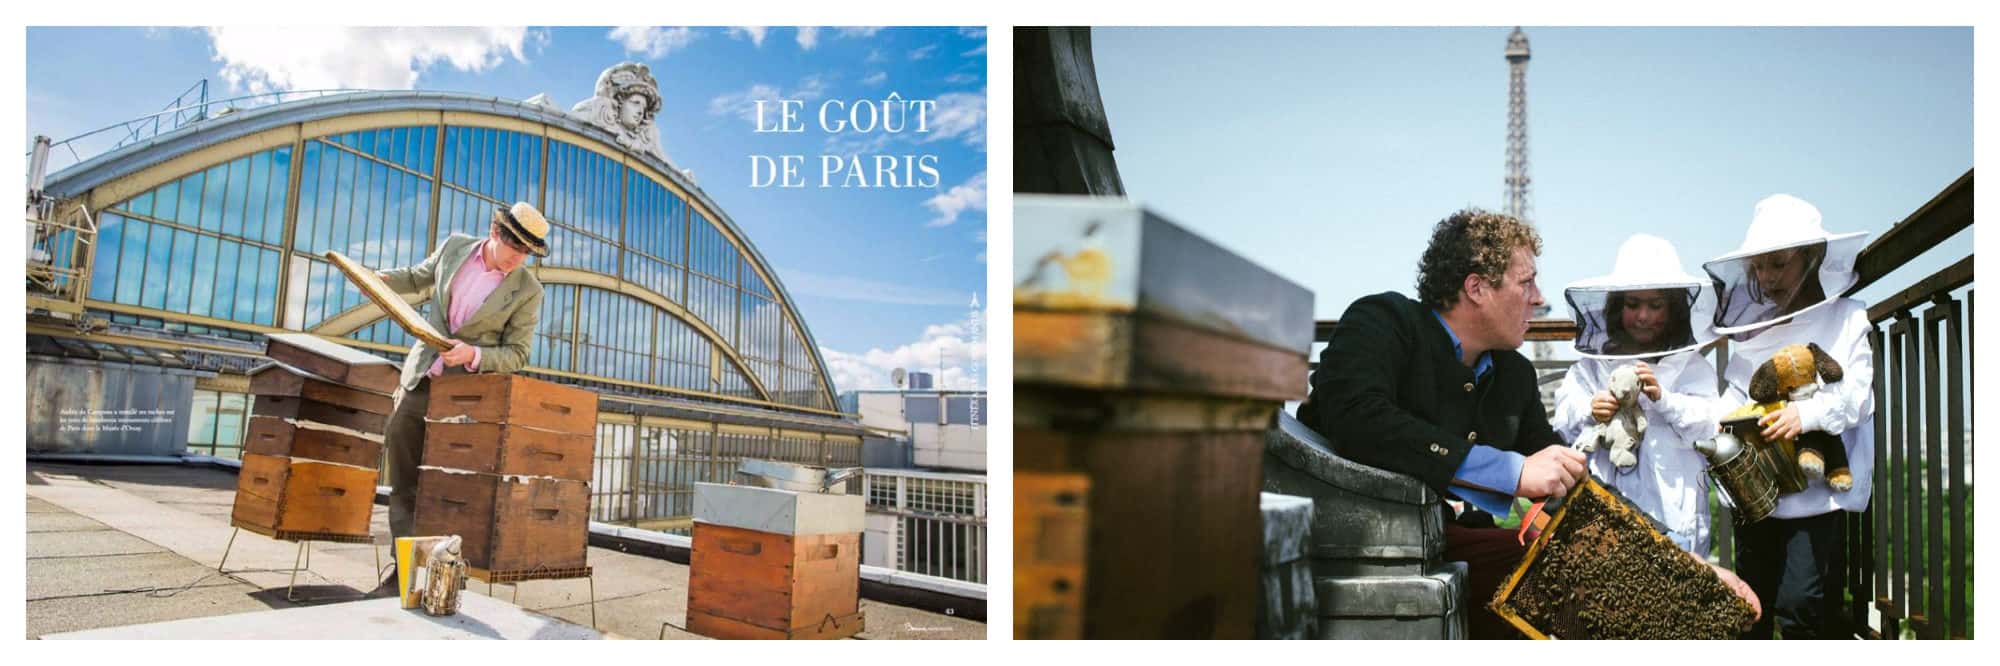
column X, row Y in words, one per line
column 513, row 400
column 281, row 494
column 510, row 523
column 746, row 584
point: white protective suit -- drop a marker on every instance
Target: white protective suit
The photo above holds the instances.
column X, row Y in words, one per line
column 1670, row 483
column 1846, row 407
column 1838, row 325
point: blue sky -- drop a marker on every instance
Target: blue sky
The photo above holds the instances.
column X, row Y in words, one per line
column 1328, row 154
column 882, row 276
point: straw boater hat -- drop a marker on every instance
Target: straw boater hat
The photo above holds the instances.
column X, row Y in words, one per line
column 1782, row 222
column 1644, row 263
column 526, row 225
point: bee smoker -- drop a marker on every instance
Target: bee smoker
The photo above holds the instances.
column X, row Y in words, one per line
column 444, row 573
column 1752, row 473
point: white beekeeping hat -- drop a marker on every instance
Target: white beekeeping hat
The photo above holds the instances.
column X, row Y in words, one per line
column 1782, row 223
column 1645, row 263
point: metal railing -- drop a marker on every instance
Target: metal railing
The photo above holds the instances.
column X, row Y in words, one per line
column 643, row 475
column 934, row 523
column 182, row 112
column 1908, row 558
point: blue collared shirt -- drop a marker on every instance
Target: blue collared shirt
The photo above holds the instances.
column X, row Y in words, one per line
column 1484, row 466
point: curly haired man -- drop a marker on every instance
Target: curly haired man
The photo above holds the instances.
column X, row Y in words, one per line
column 1433, row 387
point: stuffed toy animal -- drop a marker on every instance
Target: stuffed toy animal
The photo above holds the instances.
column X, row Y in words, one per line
column 1795, row 372
column 1627, row 427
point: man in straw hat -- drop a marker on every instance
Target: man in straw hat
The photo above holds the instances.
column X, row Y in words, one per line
column 1783, row 286
column 489, row 309
column 1434, row 388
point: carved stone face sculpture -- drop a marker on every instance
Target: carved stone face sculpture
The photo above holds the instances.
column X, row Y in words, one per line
column 632, row 110
column 626, row 101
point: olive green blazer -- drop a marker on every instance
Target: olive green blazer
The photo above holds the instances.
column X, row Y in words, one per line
column 503, row 328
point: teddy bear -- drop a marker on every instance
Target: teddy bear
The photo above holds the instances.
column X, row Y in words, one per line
column 1795, row 372
column 1627, row 427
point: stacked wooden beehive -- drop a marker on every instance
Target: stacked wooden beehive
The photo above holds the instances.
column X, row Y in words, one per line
column 314, row 441
column 770, row 563
column 507, row 467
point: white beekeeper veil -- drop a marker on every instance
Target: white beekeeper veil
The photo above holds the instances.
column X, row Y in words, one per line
column 1647, row 267
column 1803, row 267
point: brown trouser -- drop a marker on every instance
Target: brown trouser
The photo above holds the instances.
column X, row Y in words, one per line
column 1490, row 556
column 404, row 439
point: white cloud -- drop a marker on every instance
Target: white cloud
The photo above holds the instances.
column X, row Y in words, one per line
column 262, row 59
column 978, row 51
column 972, row 33
column 969, row 195
column 849, row 288
column 959, row 115
column 961, row 78
column 941, row 344
column 743, row 104
column 756, row 34
column 875, row 56
column 875, row 79
column 654, row 42
column 923, row 52
column 808, row 38
column 861, row 32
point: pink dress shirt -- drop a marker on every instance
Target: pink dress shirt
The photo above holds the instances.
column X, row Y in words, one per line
column 469, row 289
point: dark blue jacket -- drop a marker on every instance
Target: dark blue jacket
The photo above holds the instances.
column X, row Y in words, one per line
column 1390, row 393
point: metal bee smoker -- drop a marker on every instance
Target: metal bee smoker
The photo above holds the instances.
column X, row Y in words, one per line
column 445, row 575
column 1751, row 472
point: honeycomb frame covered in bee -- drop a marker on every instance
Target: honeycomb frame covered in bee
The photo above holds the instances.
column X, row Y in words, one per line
column 1602, row 569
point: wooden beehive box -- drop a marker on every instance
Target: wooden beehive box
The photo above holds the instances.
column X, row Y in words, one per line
column 496, row 449
column 279, row 494
column 510, row 523
column 1051, row 533
column 280, row 380
column 336, row 362
column 1601, row 570
column 513, row 400
column 301, row 409
column 303, row 439
column 774, row 564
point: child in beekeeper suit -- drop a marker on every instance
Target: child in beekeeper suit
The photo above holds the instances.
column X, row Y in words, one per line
column 1648, row 314
column 1783, row 286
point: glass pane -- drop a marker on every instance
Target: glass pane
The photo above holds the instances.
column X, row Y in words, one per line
column 202, row 294
column 180, row 274
column 132, row 262
column 239, row 188
column 166, row 200
column 229, row 416
column 142, row 204
column 188, row 212
column 227, row 263
column 267, row 287
column 104, row 273
column 201, row 422
column 214, row 189
column 308, row 197
column 159, row 258
column 274, row 198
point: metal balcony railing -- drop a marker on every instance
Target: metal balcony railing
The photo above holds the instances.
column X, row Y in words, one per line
column 939, row 521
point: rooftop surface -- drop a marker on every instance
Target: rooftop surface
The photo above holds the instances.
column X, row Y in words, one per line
column 118, row 545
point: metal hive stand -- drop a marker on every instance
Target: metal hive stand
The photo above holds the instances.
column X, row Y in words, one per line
column 305, row 551
column 517, row 576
